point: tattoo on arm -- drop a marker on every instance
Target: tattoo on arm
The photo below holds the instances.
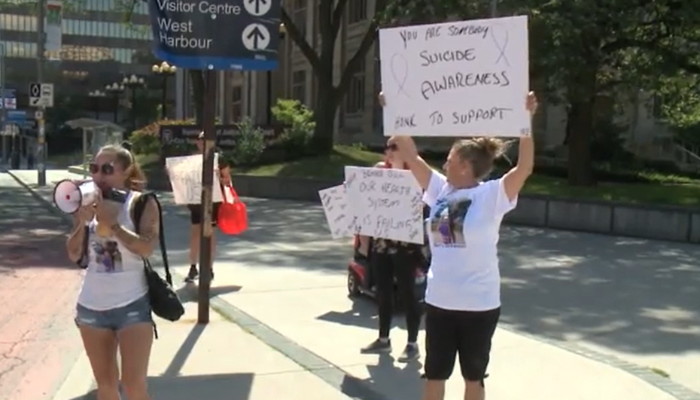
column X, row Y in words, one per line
column 146, row 240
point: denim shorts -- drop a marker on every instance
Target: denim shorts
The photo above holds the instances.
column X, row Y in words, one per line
column 116, row 319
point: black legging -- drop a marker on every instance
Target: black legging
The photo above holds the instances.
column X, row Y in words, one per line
column 401, row 265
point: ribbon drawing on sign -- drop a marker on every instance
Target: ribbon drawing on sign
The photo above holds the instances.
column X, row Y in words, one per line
column 397, row 60
column 499, row 32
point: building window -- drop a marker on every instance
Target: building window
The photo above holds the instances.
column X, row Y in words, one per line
column 299, row 86
column 355, row 100
column 299, row 16
column 236, row 103
column 357, row 11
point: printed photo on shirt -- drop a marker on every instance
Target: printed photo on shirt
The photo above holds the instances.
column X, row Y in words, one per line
column 447, row 223
column 106, row 256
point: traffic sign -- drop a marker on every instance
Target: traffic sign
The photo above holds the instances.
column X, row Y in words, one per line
column 16, row 116
column 41, row 94
column 38, row 114
column 221, row 36
column 9, row 103
column 256, row 37
column 257, row 8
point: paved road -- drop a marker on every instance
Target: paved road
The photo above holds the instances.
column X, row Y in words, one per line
column 606, row 298
column 38, row 341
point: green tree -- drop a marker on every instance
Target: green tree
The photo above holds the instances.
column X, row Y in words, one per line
column 582, row 50
column 329, row 95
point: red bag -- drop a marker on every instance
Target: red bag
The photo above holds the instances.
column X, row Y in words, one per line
column 232, row 218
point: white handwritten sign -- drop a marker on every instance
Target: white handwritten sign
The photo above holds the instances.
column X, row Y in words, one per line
column 186, row 179
column 338, row 215
column 386, row 203
column 466, row 78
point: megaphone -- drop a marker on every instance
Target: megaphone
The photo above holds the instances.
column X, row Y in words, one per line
column 70, row 196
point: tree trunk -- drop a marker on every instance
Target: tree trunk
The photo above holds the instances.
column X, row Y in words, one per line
column 581, row 117
column 324, row 113
column 197, row 78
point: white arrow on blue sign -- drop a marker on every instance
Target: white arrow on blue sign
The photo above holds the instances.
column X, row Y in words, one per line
column 257, row 8
column 256, row 37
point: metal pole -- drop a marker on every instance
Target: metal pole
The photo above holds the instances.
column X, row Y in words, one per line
column 205, row 256
column 269, row 98
column 3, row 109
column 249, row 94
column 85, row 153
column 116, row 106
column 133, row 108
column 494, row 8
column 164, row 101
column 41, row 136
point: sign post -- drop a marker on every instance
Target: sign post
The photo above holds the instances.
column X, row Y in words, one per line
column 210, row 36
column 41, row 96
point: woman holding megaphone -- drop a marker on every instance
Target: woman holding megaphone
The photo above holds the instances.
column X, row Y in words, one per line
column 113, row 309
column 463, row 299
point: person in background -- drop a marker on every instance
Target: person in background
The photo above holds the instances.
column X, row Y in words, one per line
column 463, row 302
column 113, row 310
column 391, row 260
column 224, row 173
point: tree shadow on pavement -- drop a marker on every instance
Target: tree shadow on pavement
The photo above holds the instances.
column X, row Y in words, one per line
column 270, row 250
column 632, row 295
column 30, row 236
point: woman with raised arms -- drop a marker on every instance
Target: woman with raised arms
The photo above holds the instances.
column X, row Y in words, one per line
column 463, row 301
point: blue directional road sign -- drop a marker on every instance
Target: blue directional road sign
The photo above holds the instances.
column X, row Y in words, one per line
column 19, row 118
column 16, row 116
column 217, row 34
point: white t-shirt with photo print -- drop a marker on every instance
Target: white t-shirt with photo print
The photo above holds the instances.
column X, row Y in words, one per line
column 463, row 231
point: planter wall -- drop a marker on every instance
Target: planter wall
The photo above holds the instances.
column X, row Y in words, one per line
column 680, row 224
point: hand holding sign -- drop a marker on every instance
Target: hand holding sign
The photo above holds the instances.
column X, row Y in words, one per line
column 185, row 175
column 384, row 203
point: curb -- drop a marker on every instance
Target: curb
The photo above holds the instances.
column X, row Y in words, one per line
column 354, row 387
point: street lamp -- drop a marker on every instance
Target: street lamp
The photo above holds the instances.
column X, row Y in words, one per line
column 282, row 33
column 165, row 70
column 116, row 90
column 96, row 95
column 134, row 83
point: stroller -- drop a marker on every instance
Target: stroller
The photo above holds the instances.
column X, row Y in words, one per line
column 361, row 277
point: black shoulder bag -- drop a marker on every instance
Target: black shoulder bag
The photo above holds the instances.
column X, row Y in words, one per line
column 164, row 300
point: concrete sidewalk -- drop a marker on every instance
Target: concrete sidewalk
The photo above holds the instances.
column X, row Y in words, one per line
column 217, row 361
column 283, row 281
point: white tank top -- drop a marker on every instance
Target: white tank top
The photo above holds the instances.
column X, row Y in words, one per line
column 114, row 276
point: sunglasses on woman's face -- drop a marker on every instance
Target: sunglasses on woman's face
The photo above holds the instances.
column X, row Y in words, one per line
column 105, row 169
column 391, row 147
